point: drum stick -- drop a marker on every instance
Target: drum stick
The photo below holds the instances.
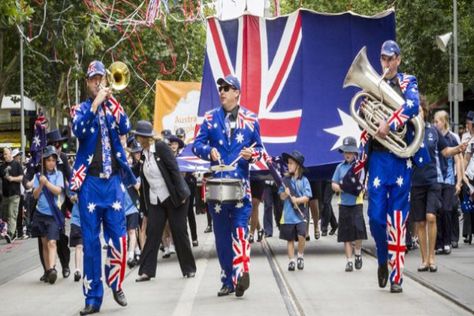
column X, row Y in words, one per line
column 240, row 156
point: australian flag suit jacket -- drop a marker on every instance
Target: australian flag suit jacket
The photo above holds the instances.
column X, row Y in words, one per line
column 212, row 134
column 86, row 127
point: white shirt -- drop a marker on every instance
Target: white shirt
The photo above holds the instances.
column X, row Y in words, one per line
column 158, row 189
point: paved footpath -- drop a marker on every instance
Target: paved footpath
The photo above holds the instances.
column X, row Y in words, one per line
column 322, row 288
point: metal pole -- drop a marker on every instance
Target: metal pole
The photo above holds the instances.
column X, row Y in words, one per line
column 22, row 101
column 450, row 100
column 455, row 66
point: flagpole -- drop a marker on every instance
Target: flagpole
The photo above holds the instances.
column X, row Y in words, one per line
column 22, row 101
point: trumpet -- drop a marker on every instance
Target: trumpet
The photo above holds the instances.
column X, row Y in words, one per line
column 118, row 76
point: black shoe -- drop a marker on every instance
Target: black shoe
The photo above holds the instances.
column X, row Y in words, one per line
column 439, row 251
column 291, row 266
column 396, row 288
column 333, row 230
column 447, row 250
column 260, row 235
column 307, row 238
column 8, row 239
column 195, row 243
column 44, row 277
column 300, row 263
column 131, row 263
column 251, row 239
column 208, row 229
column 224, row 291
column 382, row 274
column 142, row 278
column 119, row 297
column 433, row 267
column 324, row 233
column 317, row 235
column 454, row 244
column 52, row 275
column 349, row 267
column 77, row 276
column 189, row 275
column 66, row 273
column 242, row 284
column 358, row 262
column 89, row 309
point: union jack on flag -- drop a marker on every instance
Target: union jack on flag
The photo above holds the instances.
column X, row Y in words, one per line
column 115, row 108
column 115, row 264
column 396, row 245
column 241, row 248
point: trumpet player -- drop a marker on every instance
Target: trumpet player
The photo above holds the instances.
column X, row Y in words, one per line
column 390, row 176
column 99, row 171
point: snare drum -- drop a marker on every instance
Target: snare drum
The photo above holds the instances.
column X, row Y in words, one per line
column 224, row 190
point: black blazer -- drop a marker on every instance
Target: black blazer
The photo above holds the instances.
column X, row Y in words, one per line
column 166, row 161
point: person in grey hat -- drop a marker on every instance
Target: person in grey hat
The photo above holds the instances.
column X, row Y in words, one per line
column 351, row 217
column 48, row 220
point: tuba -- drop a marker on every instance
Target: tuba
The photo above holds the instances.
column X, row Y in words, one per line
column 382, row 102
column 118, row 76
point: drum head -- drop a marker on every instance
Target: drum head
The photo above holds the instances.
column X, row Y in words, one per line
column 221, row 168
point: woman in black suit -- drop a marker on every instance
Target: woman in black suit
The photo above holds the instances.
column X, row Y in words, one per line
column 165, row 195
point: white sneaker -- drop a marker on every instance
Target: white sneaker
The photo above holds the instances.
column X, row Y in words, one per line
column 172, row 249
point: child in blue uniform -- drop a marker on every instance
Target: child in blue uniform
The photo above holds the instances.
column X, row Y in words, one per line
column 48, row 219
column 351, row 217
column 75, row 237
column 295, row 190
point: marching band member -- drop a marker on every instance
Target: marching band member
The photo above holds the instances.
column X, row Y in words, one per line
column 228, row 133
column 99, row 175
column 390, row 176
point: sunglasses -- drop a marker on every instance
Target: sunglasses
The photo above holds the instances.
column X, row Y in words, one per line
column 226, row 88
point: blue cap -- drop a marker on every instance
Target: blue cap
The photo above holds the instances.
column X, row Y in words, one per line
column 230, row 80
column 470, row 116
column 390, row 48
column 95, row 68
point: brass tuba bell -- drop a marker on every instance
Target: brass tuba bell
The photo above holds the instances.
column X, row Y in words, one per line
column 382, row 102
column 118, row 76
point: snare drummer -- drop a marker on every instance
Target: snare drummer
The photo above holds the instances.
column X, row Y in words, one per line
column 228, row 132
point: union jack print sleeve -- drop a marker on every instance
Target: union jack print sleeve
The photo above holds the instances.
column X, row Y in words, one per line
column 410, row 108
column 257, row 150
column 120, row 116
column 201, row 147
column 83, row 120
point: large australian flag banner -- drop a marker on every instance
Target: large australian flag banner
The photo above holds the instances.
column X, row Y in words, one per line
column 292, row 69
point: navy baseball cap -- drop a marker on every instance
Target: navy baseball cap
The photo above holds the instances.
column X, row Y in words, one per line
column 470, row 116
column 230, row 80
column 95, row 68
column 390, row 48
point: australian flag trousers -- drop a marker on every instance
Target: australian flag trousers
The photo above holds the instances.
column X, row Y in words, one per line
column 101, row 201
column 389, row 192
column 230, row 221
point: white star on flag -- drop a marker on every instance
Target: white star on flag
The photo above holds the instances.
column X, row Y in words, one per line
column 122, row 187
column 420, row 160
column 239, row 205
column 89, row 159
column 215, row 125
column 117, row 205
column 127, row 123
column 91, row 207
column 410, row 103
column 239, row 138
column 217, row 208
column 376, row 182
column 349, row 127
column 37, row 141
column 87, row 284
column 400, row 181
column 409, row 164
column 92, row 130
column 221, row 142
column 119, row 155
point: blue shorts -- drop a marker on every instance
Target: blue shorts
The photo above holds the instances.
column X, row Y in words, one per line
column 132, row 221
column 291, row 232
column 44, row 226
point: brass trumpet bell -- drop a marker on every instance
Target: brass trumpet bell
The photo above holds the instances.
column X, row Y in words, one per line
column 118, row 75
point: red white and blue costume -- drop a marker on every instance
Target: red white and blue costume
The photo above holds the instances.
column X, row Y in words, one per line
column 231, row 219
column 101, row 200
column 389, row 187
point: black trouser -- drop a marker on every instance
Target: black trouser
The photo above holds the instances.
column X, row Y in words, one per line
column 455, row 222
column 157, row 217
column 62, row 248
column 443, row 220
column 468, row 225
column 327, row 213
column 191, row 216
